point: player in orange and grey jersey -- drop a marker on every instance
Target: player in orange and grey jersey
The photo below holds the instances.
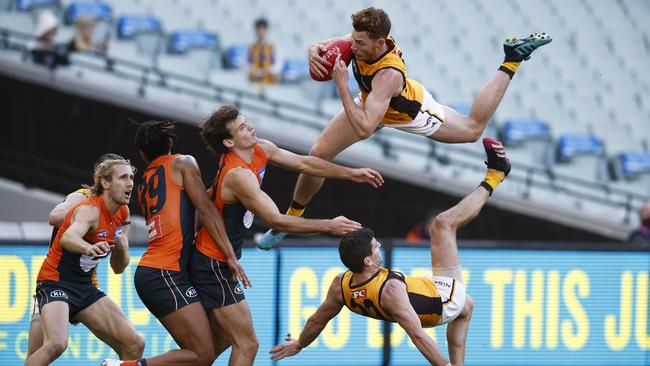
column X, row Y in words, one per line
column 65, row 290
column 413, row 302
column 236, row 192
column 56, row 216
column 170, row 193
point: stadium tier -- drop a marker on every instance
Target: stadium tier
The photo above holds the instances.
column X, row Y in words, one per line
column 569, row 114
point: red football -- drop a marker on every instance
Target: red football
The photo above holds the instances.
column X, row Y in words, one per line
column 342, row 47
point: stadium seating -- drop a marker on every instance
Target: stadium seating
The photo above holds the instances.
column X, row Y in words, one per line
column 564, row 93
column 27, row 219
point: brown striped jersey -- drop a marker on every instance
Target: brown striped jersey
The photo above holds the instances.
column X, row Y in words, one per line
column 365, row 298
column 403, row 108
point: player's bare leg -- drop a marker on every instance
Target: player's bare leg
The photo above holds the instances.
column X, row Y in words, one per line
column 237, row 323
column 335, row 138
column 458, row 128
column 190, row 328
column 444, row 250
column 54, row 322
column 35, row 338
column 457, row 333
column 107, row 321
column 220, row 338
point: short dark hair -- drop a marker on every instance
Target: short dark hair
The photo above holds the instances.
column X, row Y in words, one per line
column 152, row 138
column 261, row 22
column 373, row 21
column 354, row 247
column 214, row 130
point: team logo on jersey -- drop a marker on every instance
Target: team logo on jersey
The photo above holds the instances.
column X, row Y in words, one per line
column 118, row 232
column 261, row 173
column 191, row 292
column 102, row 234
column 238, row 289
column 360, row 294
column 58, row 293
column 154, row 228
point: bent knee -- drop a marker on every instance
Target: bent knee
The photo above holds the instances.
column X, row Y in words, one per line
column 206, row 358
column 252, row 345
column 135, row 347
column 248, row 345
column 474, row 128
column 205, row 352
column 319, row 150
column 443, row 221
column 194, row 359
column 56, row 346
column 475, row 136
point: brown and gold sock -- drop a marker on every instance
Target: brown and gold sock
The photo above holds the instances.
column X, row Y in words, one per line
column 492, row 179
column 296, row 209
column 509, row 67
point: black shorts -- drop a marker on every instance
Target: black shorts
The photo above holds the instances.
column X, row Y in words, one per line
column 213, row 281
column 163, row 291
column 77, row 296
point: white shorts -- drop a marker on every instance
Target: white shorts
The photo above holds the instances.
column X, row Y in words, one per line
column 452, row 293
column 426, row 123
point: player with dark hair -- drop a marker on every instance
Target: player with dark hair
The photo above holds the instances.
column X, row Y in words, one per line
column 65, row 290
column 413, row 302
column 170, row 192
column 389, row 98
column 236, row 193
column 56, row 217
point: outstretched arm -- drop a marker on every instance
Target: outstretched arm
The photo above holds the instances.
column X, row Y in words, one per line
column 315, row 324
column 58, row 212
column 318, row 167
column 208, row 214
column 395, row 300
column 385, row 84
column 244, row 186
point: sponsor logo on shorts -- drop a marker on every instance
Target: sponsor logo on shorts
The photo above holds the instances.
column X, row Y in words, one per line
column 431, row 122
column 443, row 284
column 361, row 294
column 102, row 234
column 238, row 289
column 58, row 293
column 191, row 292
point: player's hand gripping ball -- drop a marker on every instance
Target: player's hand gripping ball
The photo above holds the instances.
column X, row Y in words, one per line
column 341, row 47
